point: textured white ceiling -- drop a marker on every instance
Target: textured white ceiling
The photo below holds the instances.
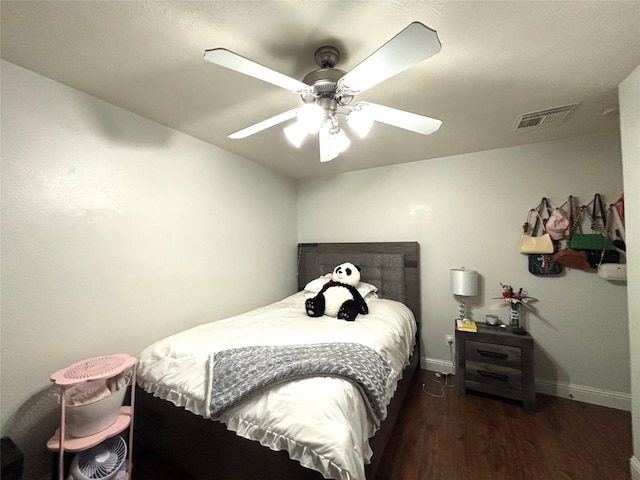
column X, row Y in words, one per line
column 498, row 60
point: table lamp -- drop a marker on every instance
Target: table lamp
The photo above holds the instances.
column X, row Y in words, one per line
column 464, row 283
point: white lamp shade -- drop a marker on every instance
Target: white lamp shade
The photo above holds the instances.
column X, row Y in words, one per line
column 463, row 282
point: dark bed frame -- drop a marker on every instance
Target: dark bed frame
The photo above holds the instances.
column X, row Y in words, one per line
column 206, row 449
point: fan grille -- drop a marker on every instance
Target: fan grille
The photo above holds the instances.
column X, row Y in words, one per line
column 103, row 459
column 324, row 87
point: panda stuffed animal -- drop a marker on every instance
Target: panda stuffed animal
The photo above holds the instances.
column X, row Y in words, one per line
column 339, row 297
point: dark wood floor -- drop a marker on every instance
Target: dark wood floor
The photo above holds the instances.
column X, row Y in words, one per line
column 476, row 437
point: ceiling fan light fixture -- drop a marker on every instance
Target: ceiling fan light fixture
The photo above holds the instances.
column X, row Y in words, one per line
column 360, row 121
column 311, row 116
column 338, row 140
column 327, row 92
column 296, row 134
column 324, row 139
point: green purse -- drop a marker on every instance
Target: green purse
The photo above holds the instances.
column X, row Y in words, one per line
column 594, row 240
column 587, row 241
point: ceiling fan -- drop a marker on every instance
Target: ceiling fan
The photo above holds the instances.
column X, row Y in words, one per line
column 327, row 92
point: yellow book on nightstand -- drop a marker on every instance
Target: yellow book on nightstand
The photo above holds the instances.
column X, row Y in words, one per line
column 469, row 326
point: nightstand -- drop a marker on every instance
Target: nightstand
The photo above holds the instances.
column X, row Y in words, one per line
column 493, row 360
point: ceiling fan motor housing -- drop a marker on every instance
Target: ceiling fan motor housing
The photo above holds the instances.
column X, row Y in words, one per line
column 327, row 56
column 324, row 83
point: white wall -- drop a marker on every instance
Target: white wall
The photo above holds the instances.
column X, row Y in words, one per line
column 467, row 210
column 630, row 133
column 117, row 231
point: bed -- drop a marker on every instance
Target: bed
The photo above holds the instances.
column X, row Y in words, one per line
column 309, row 428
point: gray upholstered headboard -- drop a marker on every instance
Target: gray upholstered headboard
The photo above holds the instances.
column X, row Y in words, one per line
column 384, row 270
column 393, row 267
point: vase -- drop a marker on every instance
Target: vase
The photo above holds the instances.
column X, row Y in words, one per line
column 514, row 318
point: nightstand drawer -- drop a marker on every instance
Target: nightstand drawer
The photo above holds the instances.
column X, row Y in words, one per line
column 494, row 375
column 493, row 354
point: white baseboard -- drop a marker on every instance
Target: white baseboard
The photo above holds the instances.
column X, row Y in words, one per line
column 635, row 468
column 436, row 365
column 581, row 393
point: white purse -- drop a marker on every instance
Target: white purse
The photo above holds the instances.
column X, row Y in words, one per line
column 614, row 272
column 531, row 244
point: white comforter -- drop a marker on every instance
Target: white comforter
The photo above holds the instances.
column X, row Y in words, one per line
column 321, row 421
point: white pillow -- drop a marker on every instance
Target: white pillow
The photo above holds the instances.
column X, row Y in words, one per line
column 314, row 286
column 370, row 296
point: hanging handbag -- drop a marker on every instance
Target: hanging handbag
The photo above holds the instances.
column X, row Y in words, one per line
column 620, row 207
column 617, row 220
column 608, row 254
column 572, row 259
column 596, row 258
column 542, row 264
column 586, row 241
column 532, row 244
column 558, row 223
column 594, row 240
column 613, row 270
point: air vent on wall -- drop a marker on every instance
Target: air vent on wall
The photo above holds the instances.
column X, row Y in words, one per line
column 543, row 118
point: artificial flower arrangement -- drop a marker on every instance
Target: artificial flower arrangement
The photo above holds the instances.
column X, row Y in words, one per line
column 515, row 299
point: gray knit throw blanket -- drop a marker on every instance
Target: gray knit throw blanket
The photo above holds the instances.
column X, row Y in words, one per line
column 239, row 373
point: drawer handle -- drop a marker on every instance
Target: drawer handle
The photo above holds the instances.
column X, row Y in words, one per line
column 488, row 353
column 493, row 375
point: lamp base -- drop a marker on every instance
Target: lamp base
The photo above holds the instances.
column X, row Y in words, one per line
column 465, row 312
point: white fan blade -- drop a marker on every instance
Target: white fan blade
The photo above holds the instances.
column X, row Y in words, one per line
column 402, row 119
column 263, row 125
column 233, row 61
column 412, row 45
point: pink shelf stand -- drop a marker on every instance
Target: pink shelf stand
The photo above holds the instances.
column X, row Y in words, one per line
column 96, row 368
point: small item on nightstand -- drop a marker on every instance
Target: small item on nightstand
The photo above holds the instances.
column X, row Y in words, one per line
column 518, row 330
column 492, row 320
column 466, row 326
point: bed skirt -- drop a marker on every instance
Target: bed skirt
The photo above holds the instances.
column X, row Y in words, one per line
column 205, row 449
